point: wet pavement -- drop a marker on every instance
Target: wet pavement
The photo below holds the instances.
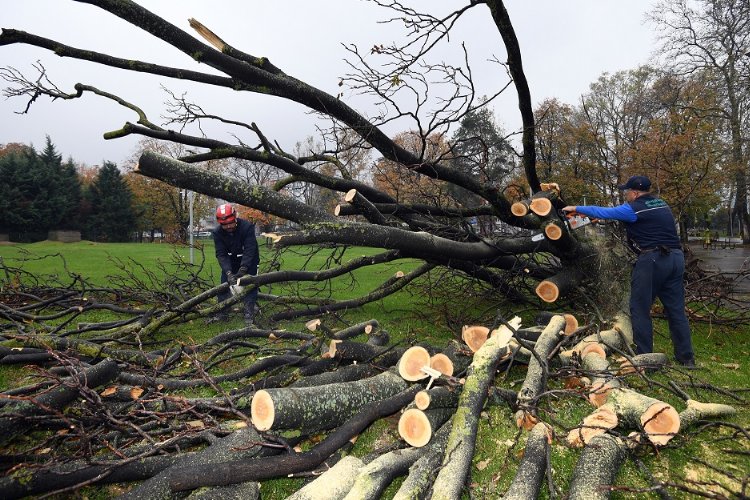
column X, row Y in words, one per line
column 728, row 260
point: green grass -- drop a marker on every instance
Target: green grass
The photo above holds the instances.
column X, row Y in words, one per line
column 722, row 353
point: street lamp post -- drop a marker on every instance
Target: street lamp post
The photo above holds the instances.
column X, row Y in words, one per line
column 191, row 196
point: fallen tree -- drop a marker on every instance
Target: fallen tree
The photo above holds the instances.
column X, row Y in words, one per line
column 530, row 249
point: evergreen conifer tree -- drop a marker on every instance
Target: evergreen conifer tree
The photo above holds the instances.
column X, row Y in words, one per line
column 111, row 216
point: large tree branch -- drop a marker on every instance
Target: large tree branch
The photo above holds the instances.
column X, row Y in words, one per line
column 515, row 66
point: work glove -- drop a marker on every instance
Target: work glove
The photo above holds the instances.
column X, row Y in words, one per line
column 231, row 278
column 241, row 272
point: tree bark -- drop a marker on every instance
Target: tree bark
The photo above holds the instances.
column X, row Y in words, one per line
column 527, row 482
column 418, row 482
column 460, row 447
column 375, row 477
column 225, row 473
column 312, row 409
column 536, row 375
column 597, row 468
column 333, row 484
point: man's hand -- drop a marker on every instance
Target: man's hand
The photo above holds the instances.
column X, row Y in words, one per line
column 231, row 278
column 569, row 208
column 241, row 272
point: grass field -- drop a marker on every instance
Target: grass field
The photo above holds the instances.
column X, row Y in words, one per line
column 709, row 458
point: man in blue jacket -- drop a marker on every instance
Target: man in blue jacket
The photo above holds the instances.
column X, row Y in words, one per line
column 660, row 267
column 237, row 253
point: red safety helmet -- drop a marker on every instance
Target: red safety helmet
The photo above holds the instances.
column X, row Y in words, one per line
column 226, row 214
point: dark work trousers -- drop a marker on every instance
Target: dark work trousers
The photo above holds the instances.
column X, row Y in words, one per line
column 656, row 274
column 248, row 299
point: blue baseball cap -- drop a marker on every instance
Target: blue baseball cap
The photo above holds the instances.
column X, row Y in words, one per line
column 637, row 182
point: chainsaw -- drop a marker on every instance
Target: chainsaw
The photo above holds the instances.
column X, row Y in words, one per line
column 574, row 220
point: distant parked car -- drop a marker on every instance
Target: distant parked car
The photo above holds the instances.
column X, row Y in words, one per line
column 202, row 234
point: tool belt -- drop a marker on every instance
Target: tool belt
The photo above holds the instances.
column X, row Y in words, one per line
column 662, row 249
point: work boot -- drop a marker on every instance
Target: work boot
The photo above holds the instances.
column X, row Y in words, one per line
column 249, row 314
column 689, row 364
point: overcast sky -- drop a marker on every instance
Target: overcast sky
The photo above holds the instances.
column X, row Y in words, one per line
column 566, row 45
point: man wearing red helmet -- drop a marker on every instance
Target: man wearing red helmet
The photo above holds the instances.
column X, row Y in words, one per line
column 237, row 253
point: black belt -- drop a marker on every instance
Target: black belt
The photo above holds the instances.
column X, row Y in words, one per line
column 663, row 249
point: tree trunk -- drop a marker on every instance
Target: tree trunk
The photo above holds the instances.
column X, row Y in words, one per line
column 333, row 484
column 375, row 477
column 527, row 482
column 225, row 473
column 419, row 480
column 312, row 409
column 536, row 375
column 460, row 448
column 597, row 468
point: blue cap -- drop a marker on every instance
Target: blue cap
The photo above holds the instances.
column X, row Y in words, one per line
column 637, row 182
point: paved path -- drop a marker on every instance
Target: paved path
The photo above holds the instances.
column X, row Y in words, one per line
column 726, row 260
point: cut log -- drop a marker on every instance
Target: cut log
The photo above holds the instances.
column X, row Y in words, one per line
column 659, row 420
column 599, row 422
column 374, row 478
column 366, row 207
column 597, row 467
column 548, row 291
column 437, row 397
column 540, row 206
column 421, row 474
column 417, row 427
column 462, row 440
column 334, row 483
column 240, row 471
column 642, row 362
column 520, row 208
column 364, row 328
column 312, row 409
column 536, row 374
column 348, row 373
column 411, row 363
column 561, row 283
column 442, row 363
column 475, row 336
column 527, row 482
column 594, row 362
column 571, row 322
column 553, row 230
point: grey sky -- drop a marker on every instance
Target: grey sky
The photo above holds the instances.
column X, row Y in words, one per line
column 566, row 45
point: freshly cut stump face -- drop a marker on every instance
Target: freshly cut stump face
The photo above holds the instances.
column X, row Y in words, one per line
column 571, row 323
column 541, row 206
column 411, row 363
column 519, row 209
column 597, row 423
column 414, row 428
column 595, row 348
column 422, row 400
column 475, row 336
column 262, row 411
column 442, row 363
column 600, row 393
column 547, row 291
column 661, row 422
column 553, row 232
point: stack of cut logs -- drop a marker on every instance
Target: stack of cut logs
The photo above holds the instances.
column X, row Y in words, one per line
column 441, row 420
